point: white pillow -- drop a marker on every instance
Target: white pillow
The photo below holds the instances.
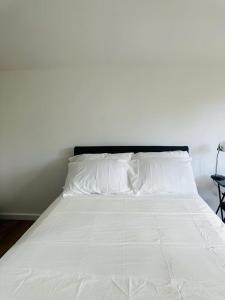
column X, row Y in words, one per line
column 102, row 176
column 165, row 154
column 83, row 157
column 126, row 156
column 163, row 176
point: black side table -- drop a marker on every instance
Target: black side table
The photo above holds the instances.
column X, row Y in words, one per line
column 220, row 181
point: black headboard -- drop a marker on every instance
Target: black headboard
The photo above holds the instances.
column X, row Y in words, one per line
column 122, row 149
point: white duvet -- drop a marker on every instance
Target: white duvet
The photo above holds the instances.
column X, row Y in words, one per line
column 98, row 248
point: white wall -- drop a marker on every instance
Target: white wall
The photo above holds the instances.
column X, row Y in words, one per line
column 36, row 34
column 44, row 113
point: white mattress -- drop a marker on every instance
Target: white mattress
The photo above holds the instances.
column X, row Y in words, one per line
column 119, row 248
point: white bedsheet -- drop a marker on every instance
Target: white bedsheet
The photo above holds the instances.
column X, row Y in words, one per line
column 98, row 247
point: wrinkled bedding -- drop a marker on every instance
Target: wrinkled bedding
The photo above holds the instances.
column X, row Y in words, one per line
column 119, row 247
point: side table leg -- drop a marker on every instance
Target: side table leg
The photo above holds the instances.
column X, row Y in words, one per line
column 221, row 209
column 217, row 209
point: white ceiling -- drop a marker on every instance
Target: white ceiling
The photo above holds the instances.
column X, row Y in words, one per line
column 42, row 33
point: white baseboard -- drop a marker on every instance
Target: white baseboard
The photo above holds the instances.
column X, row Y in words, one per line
column 19, row 216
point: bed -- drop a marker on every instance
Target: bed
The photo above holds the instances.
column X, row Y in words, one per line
column 119, row 247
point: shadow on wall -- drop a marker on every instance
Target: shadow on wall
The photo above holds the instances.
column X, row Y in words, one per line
column 208, row 191
column 38, row 188
column 204, row 166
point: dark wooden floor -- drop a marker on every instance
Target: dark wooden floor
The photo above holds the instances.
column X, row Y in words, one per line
column 10, row 232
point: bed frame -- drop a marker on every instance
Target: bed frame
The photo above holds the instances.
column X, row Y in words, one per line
column 123, row 149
